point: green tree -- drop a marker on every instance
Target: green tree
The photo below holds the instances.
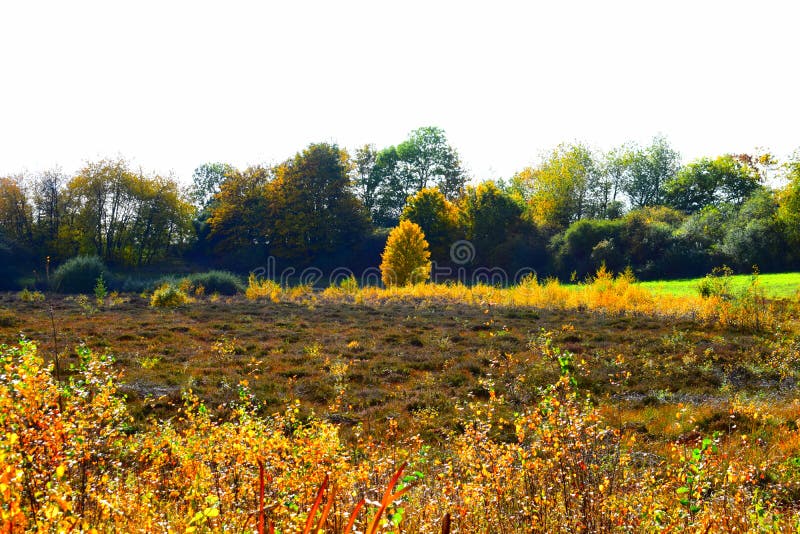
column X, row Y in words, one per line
column 789, row 205
column 48, row 209
column 207, row 180
column 366, row 180
column 614, row 170
column 438, row 218
column 757, row 235
column 649, row 168
column 312, row 206
column 391, row 191
column 406, row 259
column 385, row 179
column 490, row 217
column 427, row 160
column 711, row 182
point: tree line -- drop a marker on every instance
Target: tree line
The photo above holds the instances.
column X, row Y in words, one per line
column 576, row 209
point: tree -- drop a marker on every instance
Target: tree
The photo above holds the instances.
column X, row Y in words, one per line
column 162, row 219
column 391, row 191
column 312, row 206
column 649, row 168
column 48, row 209
column 16, row 218
column 124, row 217
column 206, row 182
column 366, row 181
column 711, row 182
column 614, row 169
column 490, row 217
column 437, row 217
column 756, row 236
column 427, row 159
column 789, row 205
column 406, row 259
column 385, row 179
column 563, row 188
column 240, row 213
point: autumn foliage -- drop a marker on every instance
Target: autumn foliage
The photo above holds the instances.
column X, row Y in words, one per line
column 406, row 259
column 70, row 460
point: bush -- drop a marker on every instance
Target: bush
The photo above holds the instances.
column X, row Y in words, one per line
column 222, row 282
column 716, row 284
column 168, row 296
column 258, row 288
column 30, row 296
column 406, row 259
column 79, row 274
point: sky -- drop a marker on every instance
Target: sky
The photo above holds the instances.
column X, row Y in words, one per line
column 170, row 85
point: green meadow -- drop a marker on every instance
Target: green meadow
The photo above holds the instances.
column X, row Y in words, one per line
column 777, row 285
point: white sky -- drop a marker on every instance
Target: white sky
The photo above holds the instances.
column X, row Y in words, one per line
column 171, row 85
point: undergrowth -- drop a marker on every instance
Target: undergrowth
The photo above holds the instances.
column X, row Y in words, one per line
column 71, row 461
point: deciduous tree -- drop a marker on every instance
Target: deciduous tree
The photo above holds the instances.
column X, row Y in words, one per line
column 240, row 213
column 406, row 259
column 649, row 168
column 563, row 188
column 312, row 206
column 711, row 182
column 427, row 160
column 438, row 218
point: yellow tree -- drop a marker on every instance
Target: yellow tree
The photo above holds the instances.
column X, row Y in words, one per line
column 15, row 211
column 406, row 258
column 561, row 189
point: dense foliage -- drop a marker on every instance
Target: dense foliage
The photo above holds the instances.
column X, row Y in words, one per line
column 406, row 259
column 78, row 274
column 635, row 206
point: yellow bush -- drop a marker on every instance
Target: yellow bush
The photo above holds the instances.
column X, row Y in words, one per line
column 258, row 289
column 168, row 296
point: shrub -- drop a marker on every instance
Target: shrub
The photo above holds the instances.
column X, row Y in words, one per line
column 79, row 274
column 716, row 284
column 406, row 259
column 262, row 289
column 30, row 296
column 100, row 290
column 168, row 296
column 222, row 282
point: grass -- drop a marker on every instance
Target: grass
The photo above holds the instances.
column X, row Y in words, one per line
column 778, row 285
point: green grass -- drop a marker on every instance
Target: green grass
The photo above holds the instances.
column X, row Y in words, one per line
column 778, row 285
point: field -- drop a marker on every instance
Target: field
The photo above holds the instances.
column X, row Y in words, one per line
column 605, row 412
column 778, row 285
